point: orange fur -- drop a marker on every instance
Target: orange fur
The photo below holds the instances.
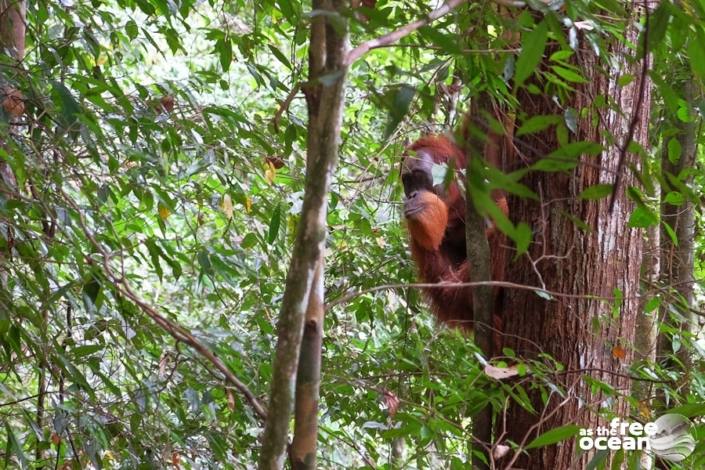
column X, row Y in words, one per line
column 428, row 227
column 436, row 223
column 442, row 148
column 12, row 101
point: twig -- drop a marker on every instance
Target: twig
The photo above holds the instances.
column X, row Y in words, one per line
column 19, row 400
column 394, row 36
column 284, row 105
column 542, row 419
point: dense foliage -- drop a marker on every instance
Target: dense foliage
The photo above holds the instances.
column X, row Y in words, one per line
column 160, row 163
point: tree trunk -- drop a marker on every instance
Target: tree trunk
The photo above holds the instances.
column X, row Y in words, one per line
column 677, row 258
column 12, row 27
column 324, row 94
column 482, row 151
column 645, row 343
column 12, row 43
column 580, row 331
column 308, row 380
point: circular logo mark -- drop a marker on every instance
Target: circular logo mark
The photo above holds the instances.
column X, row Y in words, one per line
column 672, row 439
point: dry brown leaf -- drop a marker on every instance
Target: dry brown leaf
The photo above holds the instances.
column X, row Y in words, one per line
column 501, row 373
column 391, row 401
column 270, row 173
column 231, row 399
column 227, row 206
column 164, row 212
column 618, row 352
column 499, row 451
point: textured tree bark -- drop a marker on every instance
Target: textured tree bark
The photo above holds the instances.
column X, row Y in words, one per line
column 677, row 259
column 646, row 325
column 327, row 53
column 480, row 151
column 645, row 343
column 12, row 27
column 580, row 331
column 12, row 42
column 308, row 380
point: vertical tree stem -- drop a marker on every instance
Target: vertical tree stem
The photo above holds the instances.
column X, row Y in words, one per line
column 327, row 51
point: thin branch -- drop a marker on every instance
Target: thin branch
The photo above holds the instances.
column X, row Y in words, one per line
column 19, row 400
column 284, row 105
column 543, row 418
column 613, row 373
column 427, row 285
column 402, row 32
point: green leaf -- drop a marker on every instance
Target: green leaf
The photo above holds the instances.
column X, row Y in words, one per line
column 554, row 435
column 204, row 261
column 280, row 56
column 131, row 29
column 658, row 23
column 448, row 43
column 173, row 39
column 652, row 304
column 532, row 46
column 689, row 410
column 642, row 217
column 522, row 237
column 598, row 459
column 537, row 124
column 568, row 74
column 696, row 54
column 566, row 157
column 146, row 7
column 683, row 113
column 674, row 150
column 249, row 241
column 597, row 191
column 224, row 48
column 82, row 351
column 68, row 105
column 399, row 107
column 14, row 448
column 670, row 232
column 674, row 198
column 561, row 55
column 288, row 9
column 625, row 80
column 91, row 289
column 154, row 253
column 274, row 223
